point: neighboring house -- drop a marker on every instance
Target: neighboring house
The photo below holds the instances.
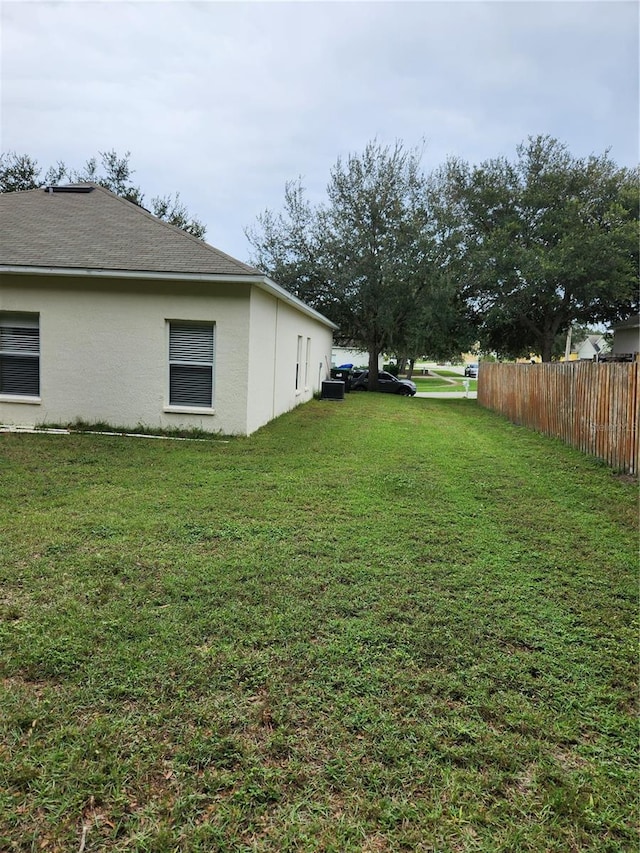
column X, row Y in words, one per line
column 108, row 314
column 346, row 355
column 626, row 338
column 591, row 348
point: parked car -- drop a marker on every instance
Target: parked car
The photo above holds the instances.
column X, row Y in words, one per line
column 471, row 370
column 387, row 382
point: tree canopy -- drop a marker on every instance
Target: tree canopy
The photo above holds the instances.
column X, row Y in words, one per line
column 22, row 172
column 505, row 254
column 547, row 241
column 366, row 257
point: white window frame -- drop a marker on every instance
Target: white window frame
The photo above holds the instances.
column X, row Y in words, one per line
column 12, row 347
column 307, row 360
column 298, row 364
column 194, row 362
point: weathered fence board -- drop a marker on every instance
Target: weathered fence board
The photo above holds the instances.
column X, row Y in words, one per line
column 591, row 406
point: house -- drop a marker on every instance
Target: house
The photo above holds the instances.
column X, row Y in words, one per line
column 355, row 357
column 108, row 314
column 626, row 339
column 593, row 347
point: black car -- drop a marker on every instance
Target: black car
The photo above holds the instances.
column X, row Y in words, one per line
column 387, row 382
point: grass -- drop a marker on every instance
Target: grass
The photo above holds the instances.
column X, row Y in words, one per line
column 443, row 371
column 384, row 624
column 437, row 383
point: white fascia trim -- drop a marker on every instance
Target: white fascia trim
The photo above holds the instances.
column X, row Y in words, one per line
column 276, row 290
column 261, row 281
column 147, row 275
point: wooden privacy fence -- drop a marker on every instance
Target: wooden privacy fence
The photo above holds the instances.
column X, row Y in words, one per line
column 589, row 405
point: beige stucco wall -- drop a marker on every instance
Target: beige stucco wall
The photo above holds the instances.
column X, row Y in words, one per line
column 274, row 330
column 626, row 340
column 104, row 350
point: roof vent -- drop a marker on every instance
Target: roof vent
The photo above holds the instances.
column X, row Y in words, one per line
column 69, row 188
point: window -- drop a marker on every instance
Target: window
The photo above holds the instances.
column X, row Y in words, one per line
column 19, row 354
column 298, row 362
column 306, row 363
column 191, row 347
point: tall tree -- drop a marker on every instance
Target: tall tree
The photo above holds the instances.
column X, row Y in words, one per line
column 22, row 172
column 113, row 173
column 18, row 172
column 291, row 247
column 438, row 327
column 548, row 240
column 171, row 209
column 366, row 256
column 373, row 229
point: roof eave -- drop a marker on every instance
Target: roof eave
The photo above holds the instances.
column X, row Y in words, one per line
column 156, row 275
column 630, row 323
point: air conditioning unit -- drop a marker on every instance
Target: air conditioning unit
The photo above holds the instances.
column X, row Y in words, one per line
column 333, row 389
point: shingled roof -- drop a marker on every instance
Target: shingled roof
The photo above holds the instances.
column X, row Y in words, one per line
column 88, row 227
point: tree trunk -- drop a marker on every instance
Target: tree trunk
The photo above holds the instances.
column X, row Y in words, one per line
column 372, row 383
column 547, row 347
column 412, row 364
column 549, row 333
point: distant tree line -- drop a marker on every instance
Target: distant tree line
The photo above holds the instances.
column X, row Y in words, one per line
column 507, row 254
column 22, row 172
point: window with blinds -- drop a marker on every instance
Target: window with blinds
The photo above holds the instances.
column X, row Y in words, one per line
column 191, row 352
column 19, row 354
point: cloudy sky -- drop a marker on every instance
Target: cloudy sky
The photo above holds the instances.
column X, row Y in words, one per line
column 224, row 102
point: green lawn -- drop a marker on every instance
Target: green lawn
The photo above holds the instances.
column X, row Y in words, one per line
column 453, row 382
column 382, row 624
